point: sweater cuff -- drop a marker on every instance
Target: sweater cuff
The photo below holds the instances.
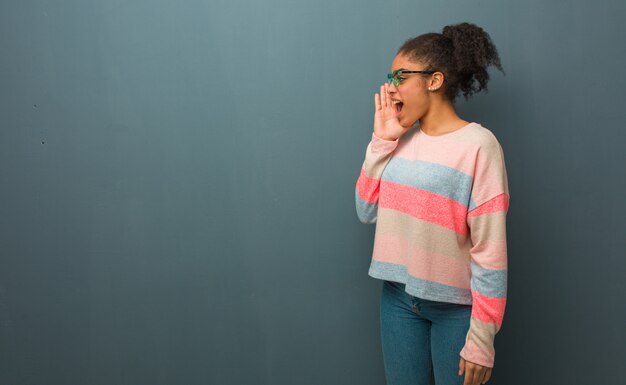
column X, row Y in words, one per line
column 473, row 353
column 383, row 146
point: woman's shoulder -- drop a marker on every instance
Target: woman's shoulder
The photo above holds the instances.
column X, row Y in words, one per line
column 481, row 136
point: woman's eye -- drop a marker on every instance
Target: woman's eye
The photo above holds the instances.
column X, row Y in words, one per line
column 401, row 78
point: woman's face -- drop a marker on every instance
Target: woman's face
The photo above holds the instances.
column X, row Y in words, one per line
column 411, row 92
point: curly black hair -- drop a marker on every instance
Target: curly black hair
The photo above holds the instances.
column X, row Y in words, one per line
column 462, row 52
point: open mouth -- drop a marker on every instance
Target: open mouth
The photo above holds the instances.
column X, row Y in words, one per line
column 398, row 106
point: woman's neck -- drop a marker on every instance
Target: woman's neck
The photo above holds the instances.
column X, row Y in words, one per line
column 441, row 119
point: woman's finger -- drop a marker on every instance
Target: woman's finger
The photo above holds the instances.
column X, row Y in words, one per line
column 383, row 97
column 389, row 104
column 487, row 376
column 376, row 102
column 468, row 377
column 478, row 376
column 386, row 95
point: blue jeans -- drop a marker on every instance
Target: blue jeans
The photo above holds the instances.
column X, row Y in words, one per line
column 421, row 338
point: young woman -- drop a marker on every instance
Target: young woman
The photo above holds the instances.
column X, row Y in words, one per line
column 436, row 187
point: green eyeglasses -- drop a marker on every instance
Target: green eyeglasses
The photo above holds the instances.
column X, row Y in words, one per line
column 396, row 76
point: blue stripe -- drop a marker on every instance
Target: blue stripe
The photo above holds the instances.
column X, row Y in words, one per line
column 367, row 212
column 491, row 283
column 439, row 179
column 419, row 287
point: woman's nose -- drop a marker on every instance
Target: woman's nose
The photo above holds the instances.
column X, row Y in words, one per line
column 392, row 87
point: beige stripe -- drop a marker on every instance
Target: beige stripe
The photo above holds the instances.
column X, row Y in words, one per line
column 422, row 234
column 490, row 226
column 374, row 164
column 482, row 334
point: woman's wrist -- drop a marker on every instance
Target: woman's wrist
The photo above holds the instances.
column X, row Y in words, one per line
column 385, row 137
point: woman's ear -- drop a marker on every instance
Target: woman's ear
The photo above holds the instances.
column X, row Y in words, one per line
column 436, row 81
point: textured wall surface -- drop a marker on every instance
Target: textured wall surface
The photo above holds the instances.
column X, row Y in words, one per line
column 177, row 188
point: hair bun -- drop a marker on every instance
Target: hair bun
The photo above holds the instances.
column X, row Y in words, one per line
column 473, row 53
column 473, row 48
column 462, row 51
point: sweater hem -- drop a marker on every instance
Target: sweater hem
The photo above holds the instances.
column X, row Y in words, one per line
column 417, row 287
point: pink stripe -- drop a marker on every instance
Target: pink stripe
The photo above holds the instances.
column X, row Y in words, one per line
column 497, row 203
column 489, row 183
column 367, row 187
column 453, row 154
column 426, row 206
column 490, row 254
column 422, row 264
column 488, row 309
column 473, row 353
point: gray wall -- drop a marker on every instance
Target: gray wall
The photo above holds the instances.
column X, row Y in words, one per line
column 177, row 185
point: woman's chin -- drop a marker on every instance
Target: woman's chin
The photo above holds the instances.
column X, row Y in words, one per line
column 406, row 124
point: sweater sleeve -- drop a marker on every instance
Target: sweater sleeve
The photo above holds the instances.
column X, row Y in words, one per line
column 486, row 219
column 377, row 156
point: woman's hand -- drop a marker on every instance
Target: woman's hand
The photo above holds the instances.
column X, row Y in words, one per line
column 386, row 124
column 474, row 374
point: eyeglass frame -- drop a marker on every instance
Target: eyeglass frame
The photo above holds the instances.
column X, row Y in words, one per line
column 394, row 76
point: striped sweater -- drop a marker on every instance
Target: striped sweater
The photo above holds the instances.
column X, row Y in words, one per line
column 440, row 205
